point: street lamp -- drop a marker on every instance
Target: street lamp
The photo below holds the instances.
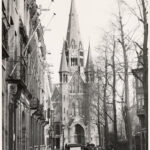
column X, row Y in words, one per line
column 63, row 127
column 52, row 127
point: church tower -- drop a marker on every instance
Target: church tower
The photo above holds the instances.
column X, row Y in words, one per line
column 74, row 47
column 75, row 90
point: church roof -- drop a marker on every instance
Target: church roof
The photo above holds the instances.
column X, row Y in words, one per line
column 63, row 64
column 89, row 63
column 73, row 32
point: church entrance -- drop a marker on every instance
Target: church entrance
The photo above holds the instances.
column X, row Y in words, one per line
column 79, row 134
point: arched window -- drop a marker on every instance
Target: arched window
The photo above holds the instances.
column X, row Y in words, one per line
column 73, row 43
column 80, row 45
column 66, row 78
column 60, row 77
column 73, row 109
column 63, row 77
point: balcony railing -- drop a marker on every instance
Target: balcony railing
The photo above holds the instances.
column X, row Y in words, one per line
column 18, row 72
column 21, row 70
column 140, row 111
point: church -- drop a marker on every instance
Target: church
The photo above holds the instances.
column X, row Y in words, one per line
column 74, row 120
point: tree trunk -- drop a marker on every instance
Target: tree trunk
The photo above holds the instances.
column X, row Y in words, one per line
column 105, row 107
column 98, row 103
column 145, row 67
column 126, row 82
column 114, row 98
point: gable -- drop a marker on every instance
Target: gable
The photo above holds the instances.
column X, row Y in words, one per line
column 76, row 84
column 55, row 94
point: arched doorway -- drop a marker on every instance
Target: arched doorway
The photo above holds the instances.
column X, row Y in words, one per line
column 79, row 134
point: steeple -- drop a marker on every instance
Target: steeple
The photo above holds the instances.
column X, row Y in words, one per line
column 73, row 32
column 74, row 48
column 89, row 64
column 63, row 71
column 63, row 64
column 89, row 69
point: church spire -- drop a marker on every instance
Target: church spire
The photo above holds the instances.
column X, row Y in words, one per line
column 73, row 32
column 63, row 64
column 89, row 64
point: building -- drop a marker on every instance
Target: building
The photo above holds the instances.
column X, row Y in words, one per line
column 74, row 119
column 140, row 135
column 25, row 93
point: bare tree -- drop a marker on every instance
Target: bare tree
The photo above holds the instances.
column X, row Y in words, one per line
column 114, row 96
column 121, row 40
column 141, row 15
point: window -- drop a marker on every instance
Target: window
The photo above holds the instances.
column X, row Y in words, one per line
column 140, row 100
column 80, row 45
column 139, row 83
column 67, row 53
column 74, row 61
column 81, row 62
column 66, row 45
column 60, row 77
column 81, row 53
column 64, row 110
column 67, row 60
column 73, row 109
column 57, row 129
column 66, row 78
column 73, row 43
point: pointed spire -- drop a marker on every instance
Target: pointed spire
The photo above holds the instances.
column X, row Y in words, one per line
column 73, row 32
column 63, row 64
column 89, row 63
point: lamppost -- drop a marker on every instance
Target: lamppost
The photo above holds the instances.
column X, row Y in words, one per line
column 52, row 128
column 63, row 127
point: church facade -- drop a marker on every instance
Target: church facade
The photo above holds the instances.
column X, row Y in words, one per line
column 74, row 121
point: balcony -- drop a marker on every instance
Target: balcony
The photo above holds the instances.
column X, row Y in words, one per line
column 140, row 111
column 34, row 103
column 18, row 72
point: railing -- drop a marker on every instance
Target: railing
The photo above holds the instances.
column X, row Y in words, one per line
column 17, row 72
column 20, row 71
column 42, row 147
column 140, row 111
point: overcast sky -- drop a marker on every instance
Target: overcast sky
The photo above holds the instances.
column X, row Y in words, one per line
column 94, row 16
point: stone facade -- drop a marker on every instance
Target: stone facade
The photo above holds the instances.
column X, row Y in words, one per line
column 140, row 132
column 74, row 119
column 25, row 93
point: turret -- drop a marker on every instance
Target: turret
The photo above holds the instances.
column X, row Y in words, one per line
column 63, row 71
column 89, row 69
